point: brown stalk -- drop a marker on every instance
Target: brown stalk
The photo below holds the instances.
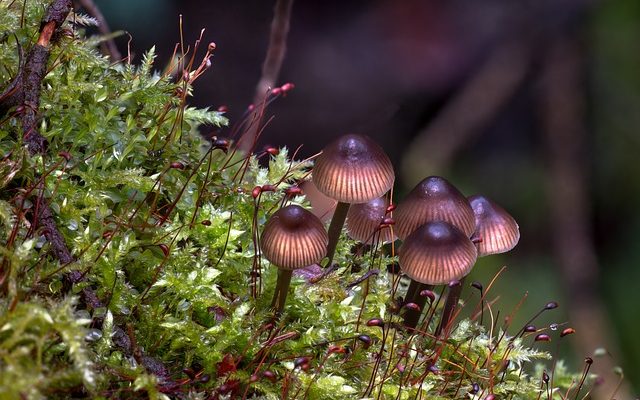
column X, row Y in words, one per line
column 270, row 70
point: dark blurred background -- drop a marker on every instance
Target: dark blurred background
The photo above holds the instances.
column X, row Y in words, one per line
column 535, row 104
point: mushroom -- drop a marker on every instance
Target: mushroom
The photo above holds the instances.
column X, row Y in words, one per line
column 351, row 169
column 495, row 232
column 321, row 205
column 434, row 199
column 292, row 238
column 434, row 254
column 364, row 221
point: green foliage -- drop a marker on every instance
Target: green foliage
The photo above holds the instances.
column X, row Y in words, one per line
column 163, row 228
column 43, row 350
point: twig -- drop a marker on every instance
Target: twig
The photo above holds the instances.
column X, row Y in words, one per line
column 270, row 69
column 53, row 235
column 34, row 72
column 109, row 45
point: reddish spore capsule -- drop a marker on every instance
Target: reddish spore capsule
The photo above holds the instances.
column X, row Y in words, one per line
column 542, row 337
column 165, row 249
column 366, row 340
column 287, row 87
column 412, row 306
column 429, row 294
column 293, row 191
column 269, row 375
column 375, row 322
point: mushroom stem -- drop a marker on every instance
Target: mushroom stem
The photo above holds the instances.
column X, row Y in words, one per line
column 453, row 296
column 339, row 216
column 282, row 288
column 412, row 316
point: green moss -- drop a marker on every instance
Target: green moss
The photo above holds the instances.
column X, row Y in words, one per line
column 167, row 254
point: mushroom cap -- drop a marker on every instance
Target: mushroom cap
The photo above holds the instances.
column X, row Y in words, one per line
column 353, row 169
column 434, row 199
column 364, row 219
column 322, row 206
column 437, row 253
column 293, row 238
column 496, row 228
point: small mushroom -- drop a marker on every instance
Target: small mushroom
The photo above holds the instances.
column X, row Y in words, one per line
column 496, row 230
column 434, row 199
column 434, row 254
column 364, row 221
column 292, row 238
column 322, row 206
column 351, row 169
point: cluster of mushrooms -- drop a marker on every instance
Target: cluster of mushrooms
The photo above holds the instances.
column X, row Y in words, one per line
column 442, row 231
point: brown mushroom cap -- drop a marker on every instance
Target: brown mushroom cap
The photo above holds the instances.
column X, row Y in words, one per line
column 497, row 230
column 434, row 199
column 437, row 253
column 364, row 219
column 293, row 238
column 353, row 169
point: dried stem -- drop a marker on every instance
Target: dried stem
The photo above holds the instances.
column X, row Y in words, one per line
column 53, row 235
column 270, row 70
column 34, row 72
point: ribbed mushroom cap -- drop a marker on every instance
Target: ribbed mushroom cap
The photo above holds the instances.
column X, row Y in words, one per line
column 293, row 238
column 322, row 206
column 437, row 253
column 434, row 199
column 497, row 230
column 363, row 221
column 353, row 169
